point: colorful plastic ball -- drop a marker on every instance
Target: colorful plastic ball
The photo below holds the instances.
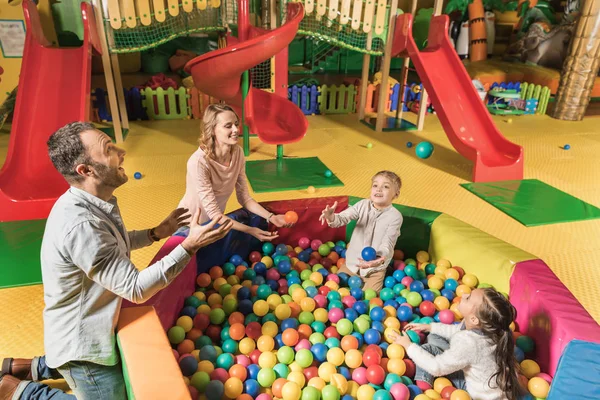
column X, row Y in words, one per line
column 399, row 391
column 335, row 314
column 414, row 299
column 233, row 388
column 530, row 368
column 526, row 344
column 460, row 394
column 214, row 390
column 369, row 254
column 371, row 358
column 397, row 366
column 375, row 374
column 538, row 387
column 225, row 361
column 424, row 150
column 266, row 377
column 319, row 351
column 310, row 393
column 230, row 346
column 264, row 396
column 446, row 317
column 324, row 250
column 372, row 336
column 188, row 365
column 365, row 392
column 382, row 394
column 304, row 358
column 344, row 327
column 355, row 282
column 176, row 334
column 565, row 147
column 330, row 392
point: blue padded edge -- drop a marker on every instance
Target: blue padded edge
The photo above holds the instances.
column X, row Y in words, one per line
column 578, row 372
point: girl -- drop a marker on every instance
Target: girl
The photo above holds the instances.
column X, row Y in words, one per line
column 217, row 168
column 480, row 353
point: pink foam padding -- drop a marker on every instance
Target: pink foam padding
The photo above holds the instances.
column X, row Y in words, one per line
column 548, row 312
column 169, row 301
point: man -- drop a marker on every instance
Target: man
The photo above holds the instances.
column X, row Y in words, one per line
column 86, row 271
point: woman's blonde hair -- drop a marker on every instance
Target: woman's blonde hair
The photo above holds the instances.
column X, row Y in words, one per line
column 208, row 125
column 395, row 179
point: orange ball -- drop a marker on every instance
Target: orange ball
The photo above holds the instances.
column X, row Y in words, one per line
column 193, row 334
column 300, row 266
column 291, row 218
column 278, row 387
column 334, row 257
column 237, row 331
column 296, row 309
column 290, row 337
column 203, row 280
column 349, row 342
column 341, row 262
column 215, row 272
column 239, row 271
column 304, row 331
column 376, row 301
column 185, row 347
column 236, row 317
column 244, row 396
column 238, row 371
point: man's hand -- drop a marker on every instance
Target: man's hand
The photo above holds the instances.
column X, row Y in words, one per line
column 279, row 221
column 203, row 235
column 174, row 221
column 263, row 236
column 327, row 214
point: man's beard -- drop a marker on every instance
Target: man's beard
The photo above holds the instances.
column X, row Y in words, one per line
column 109, row 176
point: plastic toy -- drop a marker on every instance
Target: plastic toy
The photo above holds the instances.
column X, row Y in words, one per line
column 369, row 145
column 567, row 147
column 424, row 150
column 369, row 254
column 328, row 174
column 137, row 175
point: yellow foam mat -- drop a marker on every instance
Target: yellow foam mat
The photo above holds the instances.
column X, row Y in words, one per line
column 160, row 149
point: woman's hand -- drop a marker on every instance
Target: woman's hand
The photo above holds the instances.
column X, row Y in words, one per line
column 263, row 236
column 362, row 264
column 279, row 221
column 327, row 214
column 418, row 327
column 401, row 338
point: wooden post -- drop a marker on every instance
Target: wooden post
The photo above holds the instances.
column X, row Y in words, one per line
column 385, row 69
column 364, row 80
column 404, row 73
column 437, row 10
column 108, row 72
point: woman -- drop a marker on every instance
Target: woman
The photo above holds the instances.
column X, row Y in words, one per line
column 217, row 168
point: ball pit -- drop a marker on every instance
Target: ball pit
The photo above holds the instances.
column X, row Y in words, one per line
column 285, row 325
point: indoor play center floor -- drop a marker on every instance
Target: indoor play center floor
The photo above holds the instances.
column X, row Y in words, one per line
column 160, row 149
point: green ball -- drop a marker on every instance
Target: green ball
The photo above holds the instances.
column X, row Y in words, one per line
column 287, row 298
column 305, row 275
column 361, row 325
column 430, row 269
column 335, row 304
column 285, row 355
column 525, row 343
column 249, row 275
column 317, row 337
column 421, row 274
column 176, row 335
column 410, row 261
column 331, row 244
column 266, row 377
column 324, row 250
column 251, row 318
column 217, row 316
column 203, row 341
column 344, row 327
column 281, row 370
column 369, row 146
column 330, row 393
column 229, row 306
column 304, row 358
column 386, row 294
column 269, row 317
column 306, row 317
column 200, row 381
column 318, row 326
column 308, row 283
column 192, row 301
column 426, row 320
column 268, row 248
column 370, row 294
column 225, row 333
column 414, row 337
column 406, row 380
column 382, row 394
column 414, row 299
column 230, row 346
column 310, row 393
column 398, row 288
column 225, row 361
column 341, row 243
column 436, row 292
column 317, row 267
column 411, row 270
column 228, row 269
column 484, row 285
column 264, row 291
column 404, row 292
column 294, row 287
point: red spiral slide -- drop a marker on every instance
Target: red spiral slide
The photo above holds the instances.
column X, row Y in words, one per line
column 275, row 119
column 54, row 89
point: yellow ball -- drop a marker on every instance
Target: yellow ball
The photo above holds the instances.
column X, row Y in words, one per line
column 440, row 270
column 451, row 273
column 365, row 392
column 440, row 383
column 353, row 358
column 443, row 263
column 206, row 366
column 229, row 297
column 530, row 368
column 321, row 315
column 234, row 388
column 294, row 260
column 422, row 397
column 390, row 312
column 335, row 356
column 295, row 367
column 185, row 322
column 291, row 391
column 298, row 294
column 298, row 249
column 186, row 380
column 308, row 304
column 219, row 282
column 352, row 389
column 441, row 303
column 435, row 283
column 200, row 296
column 470, row 280
column 317, row 382
column 265, row 343
column 326, row 370
column 283, row 311
column 247, row 284
column 390, row 333
column 344, row 292
column 196, row 354
column 432, row 394
column 512, row 326
column 538, row 387
column 457, row 314
column 332, row 285
column 274, row 300
column 270, row 328
column 214, row 298
column 317, row 278
column 422, row 256
column 298, row 377
column 268, row 261
column 392, row 322
column 460, row 395
column 203, row 309
column 233, row 280
column 267, row 360
column 395, row 351
column 339, row 382
column 247, row 346
column 461, row 290
column 260, row 308
column 396, row 366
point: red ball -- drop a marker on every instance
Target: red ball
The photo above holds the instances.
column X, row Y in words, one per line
column 310, row 373
column 427, row 308
column 219, row 374
column 371, row 358
column 312, row 262
column 254, row 356
column 255, row 256
column 410, row 368
column 253, row 330
column 331, row 332
column 282, row 290
column 447, row 392
column 292, row 254
column 461, row 272
column 213, row 332
column 375, row 374
column 384, row 363
column 375, row 348
column 326, row 262
column 323, row 290
column 201, row 321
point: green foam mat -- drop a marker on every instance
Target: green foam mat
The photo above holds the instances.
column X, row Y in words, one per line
column 288, row 174
column 533, row 202
column 415, row 231
column 20, row 244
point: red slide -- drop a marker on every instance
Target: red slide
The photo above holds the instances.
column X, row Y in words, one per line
column 54, row 89
column 275, row 119
column 463, row 115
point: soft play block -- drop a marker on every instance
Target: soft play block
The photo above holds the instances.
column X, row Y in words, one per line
column 169, row 301
column 149, row 366
column 577, row 373
column 487, row 257
column 549, row 313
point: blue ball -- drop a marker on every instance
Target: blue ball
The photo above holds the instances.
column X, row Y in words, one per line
column 281, row 249
column 354, row 282
column 377, row 314
column 188, row 365
column 273, row 285
column 319, row 351
column 292, row 280
column 338, row 249
column 323, row 272
column 243, row 293
column 424, row 150
column 384, row 346
column 392, row 303
column 253, row 370
column 389, row 282
column 427, row 295
column 357, row 293
column 138, row 175
column 343, row 278
column 304, row 256
column 566, row 147
column 208, row 353
column 345, row 372
column 519, row 354
column 215, row 390
column 347, row 396
column 289, row 323
column 369, row 254
column 268, row 248
column 400, row 300
column 409, row 144
column 284, row 267
column 279, row 340
column 252, row 387
column 328, row 174
column 404, row 313
column 236, row 260
column 378, row 326
column 360, row 307
column 360, row 338
column 372, row 336
column 190, row 311
column 449, row 294
column 451, row 284
column 351, row 314
column 414, row 390
column 398, row 275
column 245, row 306
column 312, row 291
column 258, row 280
column 417, row 286
column 343, row 254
